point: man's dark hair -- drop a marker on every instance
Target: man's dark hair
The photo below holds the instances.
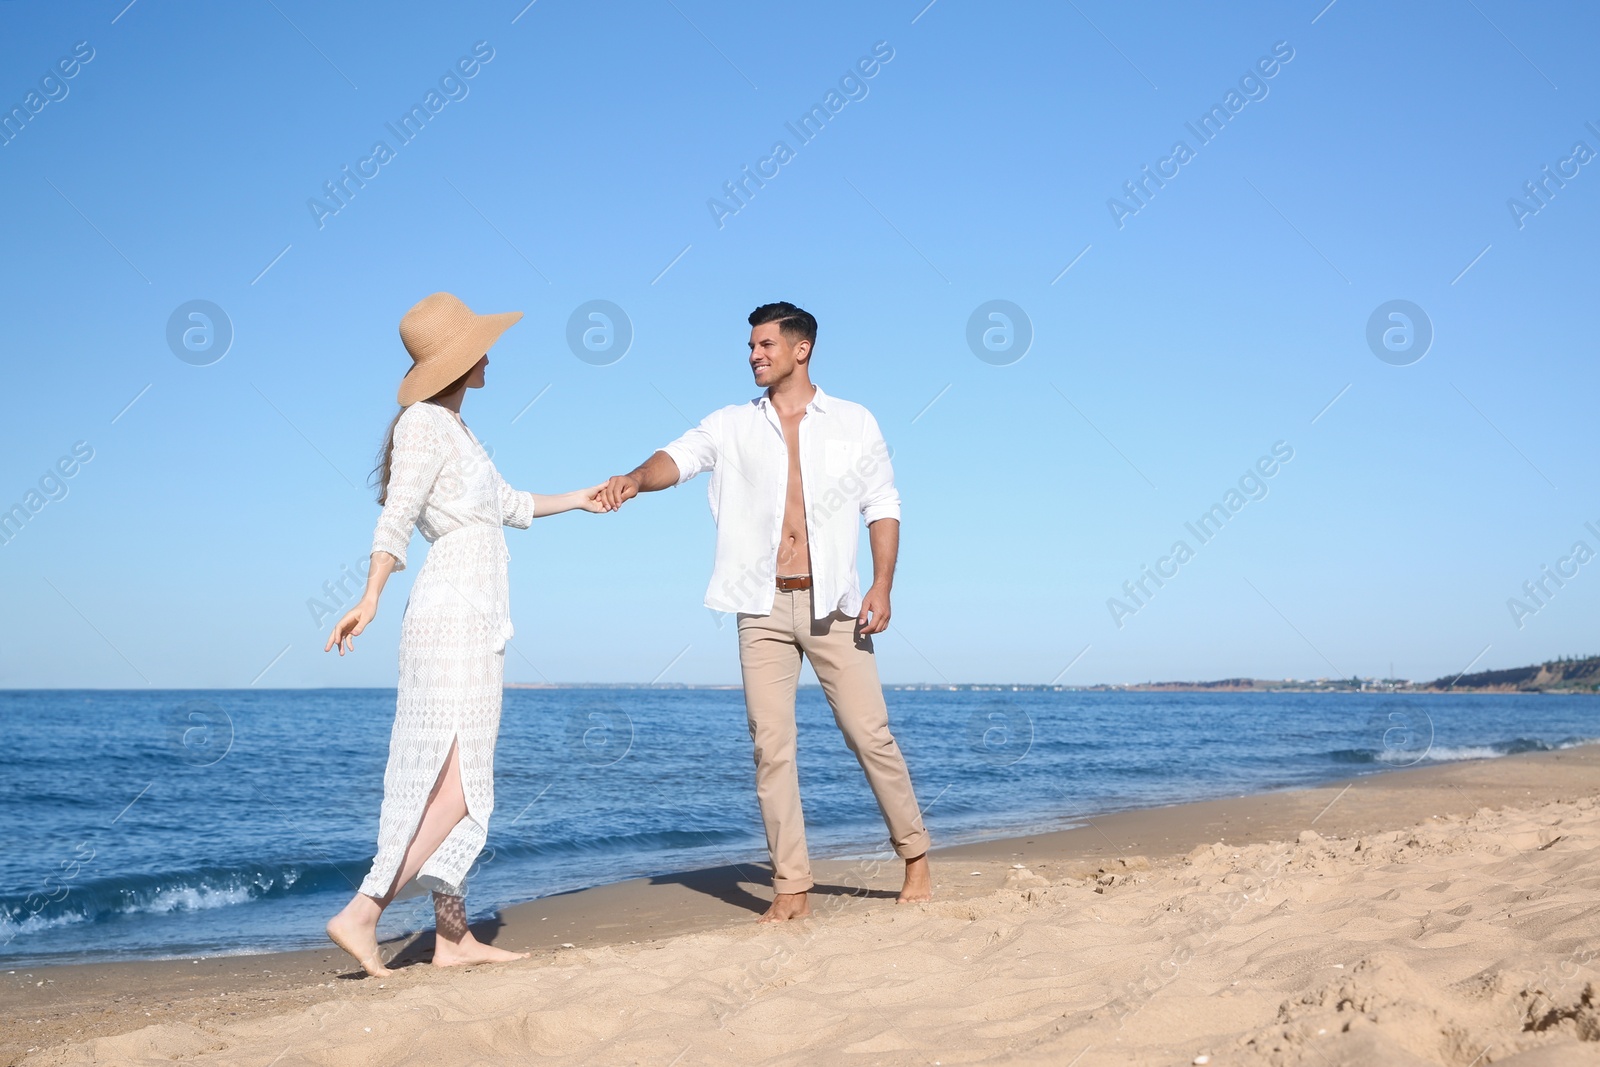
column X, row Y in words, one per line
column 796, row 324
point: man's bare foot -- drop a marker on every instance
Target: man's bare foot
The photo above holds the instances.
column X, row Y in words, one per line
column 470, row 950
column 919, row 881
column 355, row 929
column 786, row 906
column 454, row 945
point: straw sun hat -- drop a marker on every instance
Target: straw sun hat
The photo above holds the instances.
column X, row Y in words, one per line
column 445, row 339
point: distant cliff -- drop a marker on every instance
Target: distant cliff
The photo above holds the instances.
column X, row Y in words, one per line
column 1555, row 676
column 1567, row 675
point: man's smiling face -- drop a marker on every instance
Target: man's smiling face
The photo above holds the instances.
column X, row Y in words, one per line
column 772, row 356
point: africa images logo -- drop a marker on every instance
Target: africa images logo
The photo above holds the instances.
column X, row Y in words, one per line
column 452, row 87
column 1252, row 87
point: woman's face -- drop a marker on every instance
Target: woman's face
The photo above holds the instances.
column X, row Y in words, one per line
column 475, row 376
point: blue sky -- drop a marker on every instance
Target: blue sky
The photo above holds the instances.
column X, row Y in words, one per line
column 977, row 163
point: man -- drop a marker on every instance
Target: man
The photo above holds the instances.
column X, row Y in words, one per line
column 789, row 472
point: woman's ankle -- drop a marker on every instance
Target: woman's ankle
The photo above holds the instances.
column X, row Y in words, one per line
column 450, row 919
column 363, row 909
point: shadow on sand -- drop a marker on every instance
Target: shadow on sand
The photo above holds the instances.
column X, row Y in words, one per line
column 727, row 884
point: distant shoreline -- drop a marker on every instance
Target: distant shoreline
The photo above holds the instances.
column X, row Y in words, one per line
column 1576, row 675
column 1567, row 675
column 1580, row 675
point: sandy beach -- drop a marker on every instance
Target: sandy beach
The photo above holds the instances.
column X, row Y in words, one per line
column 1439, row 915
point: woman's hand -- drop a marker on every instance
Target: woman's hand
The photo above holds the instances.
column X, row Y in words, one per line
column 355, row 620
column 592, row 501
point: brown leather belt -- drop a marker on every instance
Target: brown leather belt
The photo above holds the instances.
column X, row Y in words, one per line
column 789, row 585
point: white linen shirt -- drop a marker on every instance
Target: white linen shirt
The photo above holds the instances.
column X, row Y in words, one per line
column 844, row 471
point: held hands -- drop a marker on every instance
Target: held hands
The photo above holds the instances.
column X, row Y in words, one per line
column 614, row 492
column 874, row 617
column 590, row 500
column 345, row 632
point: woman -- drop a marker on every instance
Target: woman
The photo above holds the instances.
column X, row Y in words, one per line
column 438, row 789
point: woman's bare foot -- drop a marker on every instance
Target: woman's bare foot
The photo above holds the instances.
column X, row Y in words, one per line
column 919, row 881
column 355, row 929
column 470, row 950
column 454, row 945
column 786, row 906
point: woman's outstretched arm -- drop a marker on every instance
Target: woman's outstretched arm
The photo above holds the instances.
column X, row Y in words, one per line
column 518, row 508
column 577, row 500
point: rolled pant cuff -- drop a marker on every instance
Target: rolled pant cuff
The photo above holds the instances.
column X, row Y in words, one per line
column 915, row 845
column 792, row 885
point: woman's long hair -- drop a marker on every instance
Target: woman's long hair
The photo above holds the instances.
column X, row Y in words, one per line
column 380, row 473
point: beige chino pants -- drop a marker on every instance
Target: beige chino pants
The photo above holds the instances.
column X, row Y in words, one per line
column 770, row 648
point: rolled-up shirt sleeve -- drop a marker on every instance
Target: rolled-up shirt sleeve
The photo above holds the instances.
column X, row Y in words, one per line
column 696, row 450
column 417, row 456
column 516, row 506
column 880, row 499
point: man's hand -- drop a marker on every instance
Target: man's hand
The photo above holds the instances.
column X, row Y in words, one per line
column 660, row 471
column 874, row 617
column 616, row 490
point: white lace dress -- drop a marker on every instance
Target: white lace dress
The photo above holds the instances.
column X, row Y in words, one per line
column 452, row 638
